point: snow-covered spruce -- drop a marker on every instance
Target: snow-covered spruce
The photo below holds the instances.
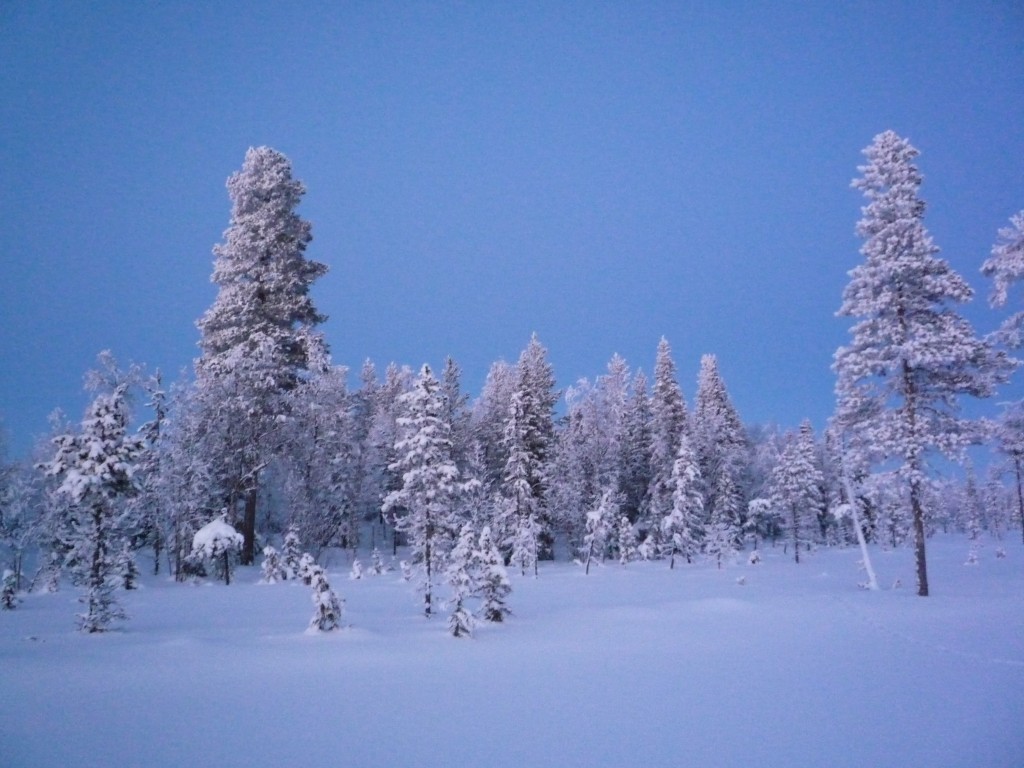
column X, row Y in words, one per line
column 1006, row 267
column 626, row 541
column 494, row 585
column 259, row 339
column 97, row 468
column 217, row 543
column 462, row 582
column 356, row 571
column 795, row 489
column 598, row 528
column 273, row 568
column 421, row 508
column 911, row 355
column 680, row 526
column 328, row 606
column 8, row 593
column 291, row 554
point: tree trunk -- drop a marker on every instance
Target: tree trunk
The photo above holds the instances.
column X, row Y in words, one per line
column 1020, row 493
column 249, row 528
column 919, row 555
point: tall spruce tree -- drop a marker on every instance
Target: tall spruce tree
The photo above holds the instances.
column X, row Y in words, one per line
column 911, row 356
column 719, row 438
column 429, row 482
column 259, row 338
column 669, row 422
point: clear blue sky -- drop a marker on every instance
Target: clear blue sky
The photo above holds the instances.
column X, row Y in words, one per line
column 601, row 173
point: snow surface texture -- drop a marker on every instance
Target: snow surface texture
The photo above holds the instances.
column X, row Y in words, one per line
column 639, row 665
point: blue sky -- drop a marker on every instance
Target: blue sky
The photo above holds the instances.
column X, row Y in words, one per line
column 601, row 173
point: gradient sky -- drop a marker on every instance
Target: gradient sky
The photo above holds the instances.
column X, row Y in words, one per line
column 601, row 173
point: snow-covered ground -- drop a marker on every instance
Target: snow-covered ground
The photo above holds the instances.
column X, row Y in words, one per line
column 640, row 666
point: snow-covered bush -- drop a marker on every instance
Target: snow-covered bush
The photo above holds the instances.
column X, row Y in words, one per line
column 273, row 568
column 217, row 542
column 8, row 597
column 327, row 612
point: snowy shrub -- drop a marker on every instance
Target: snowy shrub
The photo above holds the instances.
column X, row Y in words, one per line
column 8, row 598
column 357, row 571
column 377, row 566
column 627, row 541
column 327, row 612
column 273, row 568
column 217, row 542
column 291, row 553
column 306, row 565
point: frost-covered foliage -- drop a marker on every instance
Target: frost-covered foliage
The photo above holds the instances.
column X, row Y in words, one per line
column 422, row 507
column 911, row 355
column 1006, row 266
column 327, row 605
column 96, row 468
column 218, row 543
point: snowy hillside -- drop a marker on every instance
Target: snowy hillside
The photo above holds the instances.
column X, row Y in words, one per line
column 637, row 666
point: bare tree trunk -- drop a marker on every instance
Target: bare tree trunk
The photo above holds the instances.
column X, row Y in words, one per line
column 249, row 528
column 1020, row 493
column 919, row 555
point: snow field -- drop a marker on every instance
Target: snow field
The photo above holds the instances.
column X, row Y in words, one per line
column 627, row 666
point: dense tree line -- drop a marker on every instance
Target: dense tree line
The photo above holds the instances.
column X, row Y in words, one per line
column 271, row 442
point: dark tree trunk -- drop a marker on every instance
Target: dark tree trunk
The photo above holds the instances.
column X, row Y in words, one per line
column 1020, row 493
column 919, row 554
column 248, row 555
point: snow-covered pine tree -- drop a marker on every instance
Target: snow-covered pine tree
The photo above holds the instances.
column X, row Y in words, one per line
column 494, row 585
column 681, row 527
column 626, row 540
column 8, row 591
column 723, row 535
column 488, row 421
column 96, row 468
column 259, row 338
column 535, row 385
column 599, row 527
column 429, row 482
column 795, row 489
column 217, row 543
column 635, row 449
column 1006, row 267
column 462, row 581
column 911, row 355
column 273, row 569
column 669, row 422
column 456, row 413
column 327, row 610
column 518, row 509
column 719, row 438
column 1008, row 438
column 291, row 553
